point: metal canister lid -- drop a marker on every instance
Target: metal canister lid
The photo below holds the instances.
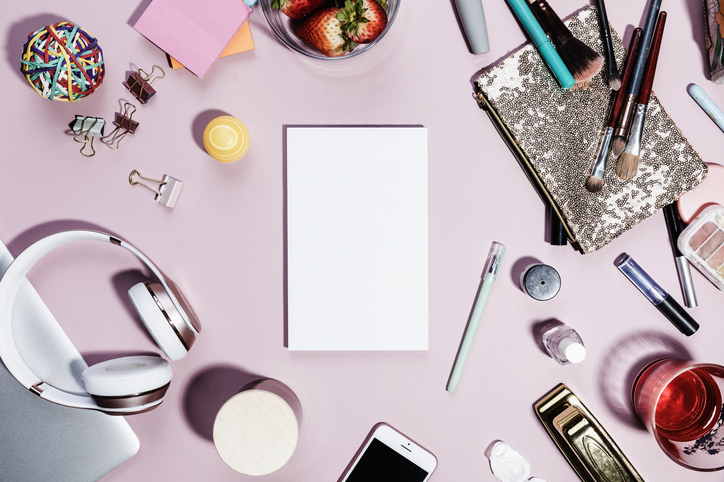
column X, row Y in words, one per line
column 540, row 281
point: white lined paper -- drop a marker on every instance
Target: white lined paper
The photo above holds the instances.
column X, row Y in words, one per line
column 357, row 238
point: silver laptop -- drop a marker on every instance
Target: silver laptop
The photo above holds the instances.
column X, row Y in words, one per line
column 42, row 441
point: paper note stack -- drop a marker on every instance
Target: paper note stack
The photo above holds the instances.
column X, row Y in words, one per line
column 194, row 33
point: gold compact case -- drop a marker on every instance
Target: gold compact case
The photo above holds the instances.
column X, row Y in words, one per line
column 583, row 441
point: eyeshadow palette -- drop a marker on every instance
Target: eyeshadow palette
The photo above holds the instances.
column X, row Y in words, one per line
column 702, row 242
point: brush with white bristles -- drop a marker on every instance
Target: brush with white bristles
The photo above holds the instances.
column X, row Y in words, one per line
column 595, row 181
column 581, row 60
column 628, row 163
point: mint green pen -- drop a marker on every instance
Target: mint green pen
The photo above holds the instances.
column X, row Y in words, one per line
column 490, row 274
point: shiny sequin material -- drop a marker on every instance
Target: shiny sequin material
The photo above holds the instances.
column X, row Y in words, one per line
column 559, row 131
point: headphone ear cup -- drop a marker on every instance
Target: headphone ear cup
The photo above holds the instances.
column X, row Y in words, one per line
column 156, row 321
column 128, row 382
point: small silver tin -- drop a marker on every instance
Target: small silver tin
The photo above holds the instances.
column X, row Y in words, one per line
column 540, row 281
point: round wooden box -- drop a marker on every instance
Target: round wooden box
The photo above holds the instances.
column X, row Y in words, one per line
column 256, row 430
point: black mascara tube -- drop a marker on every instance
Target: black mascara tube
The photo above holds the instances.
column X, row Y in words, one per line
column 673, row 225
column 558, row 232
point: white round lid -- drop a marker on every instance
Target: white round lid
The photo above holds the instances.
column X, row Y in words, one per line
column 574, row 351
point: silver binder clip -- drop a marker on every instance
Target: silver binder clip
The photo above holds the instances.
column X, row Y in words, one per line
column 124, row 125
column 85, row 130
column 168, row 190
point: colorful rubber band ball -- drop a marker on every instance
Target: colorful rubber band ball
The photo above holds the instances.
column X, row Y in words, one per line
column 63, row 62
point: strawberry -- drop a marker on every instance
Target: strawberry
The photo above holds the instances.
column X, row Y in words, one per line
column 363, row 20
column 324, row 32
column 296, row 8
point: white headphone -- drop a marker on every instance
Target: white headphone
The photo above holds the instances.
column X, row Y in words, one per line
column 125, row 385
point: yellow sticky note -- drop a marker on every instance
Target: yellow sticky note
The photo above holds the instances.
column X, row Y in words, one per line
column 242, row 42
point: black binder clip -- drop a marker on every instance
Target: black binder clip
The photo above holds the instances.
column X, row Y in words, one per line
column 140, row 84
column 86, row 129
column 168, row 190
column 124, row 125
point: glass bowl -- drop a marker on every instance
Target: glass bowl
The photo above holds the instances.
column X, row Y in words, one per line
column 285, row 27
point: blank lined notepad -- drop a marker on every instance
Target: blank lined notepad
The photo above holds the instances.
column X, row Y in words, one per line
column 356, row 213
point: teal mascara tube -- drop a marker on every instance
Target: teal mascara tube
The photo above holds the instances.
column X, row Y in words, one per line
column 544, row 46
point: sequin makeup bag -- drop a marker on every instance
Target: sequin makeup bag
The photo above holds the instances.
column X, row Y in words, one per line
column 554, row 134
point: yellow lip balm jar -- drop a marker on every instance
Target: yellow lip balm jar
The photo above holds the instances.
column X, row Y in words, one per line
column 226, row 139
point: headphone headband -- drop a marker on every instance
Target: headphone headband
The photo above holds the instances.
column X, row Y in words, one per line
column 10, row 284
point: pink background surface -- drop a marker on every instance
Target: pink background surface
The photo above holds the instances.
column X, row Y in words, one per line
column 223, row 243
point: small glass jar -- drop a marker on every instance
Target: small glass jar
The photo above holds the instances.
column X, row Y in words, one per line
column 564, row 344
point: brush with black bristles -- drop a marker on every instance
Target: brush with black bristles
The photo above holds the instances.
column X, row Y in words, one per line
column 581, row 60
column 614, row 79
column 595, row 181
column 623, row 125
column 628, row 163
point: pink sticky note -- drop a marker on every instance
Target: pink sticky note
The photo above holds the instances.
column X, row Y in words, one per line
column 194, row 32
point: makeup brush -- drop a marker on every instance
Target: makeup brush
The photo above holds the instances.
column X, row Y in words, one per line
column 581, row 60
column 628, row 163
column 594, row 183
column 550, row 55
column 614, row 79
column 620, row 132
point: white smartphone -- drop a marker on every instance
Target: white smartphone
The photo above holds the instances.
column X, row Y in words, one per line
column 389, row 456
